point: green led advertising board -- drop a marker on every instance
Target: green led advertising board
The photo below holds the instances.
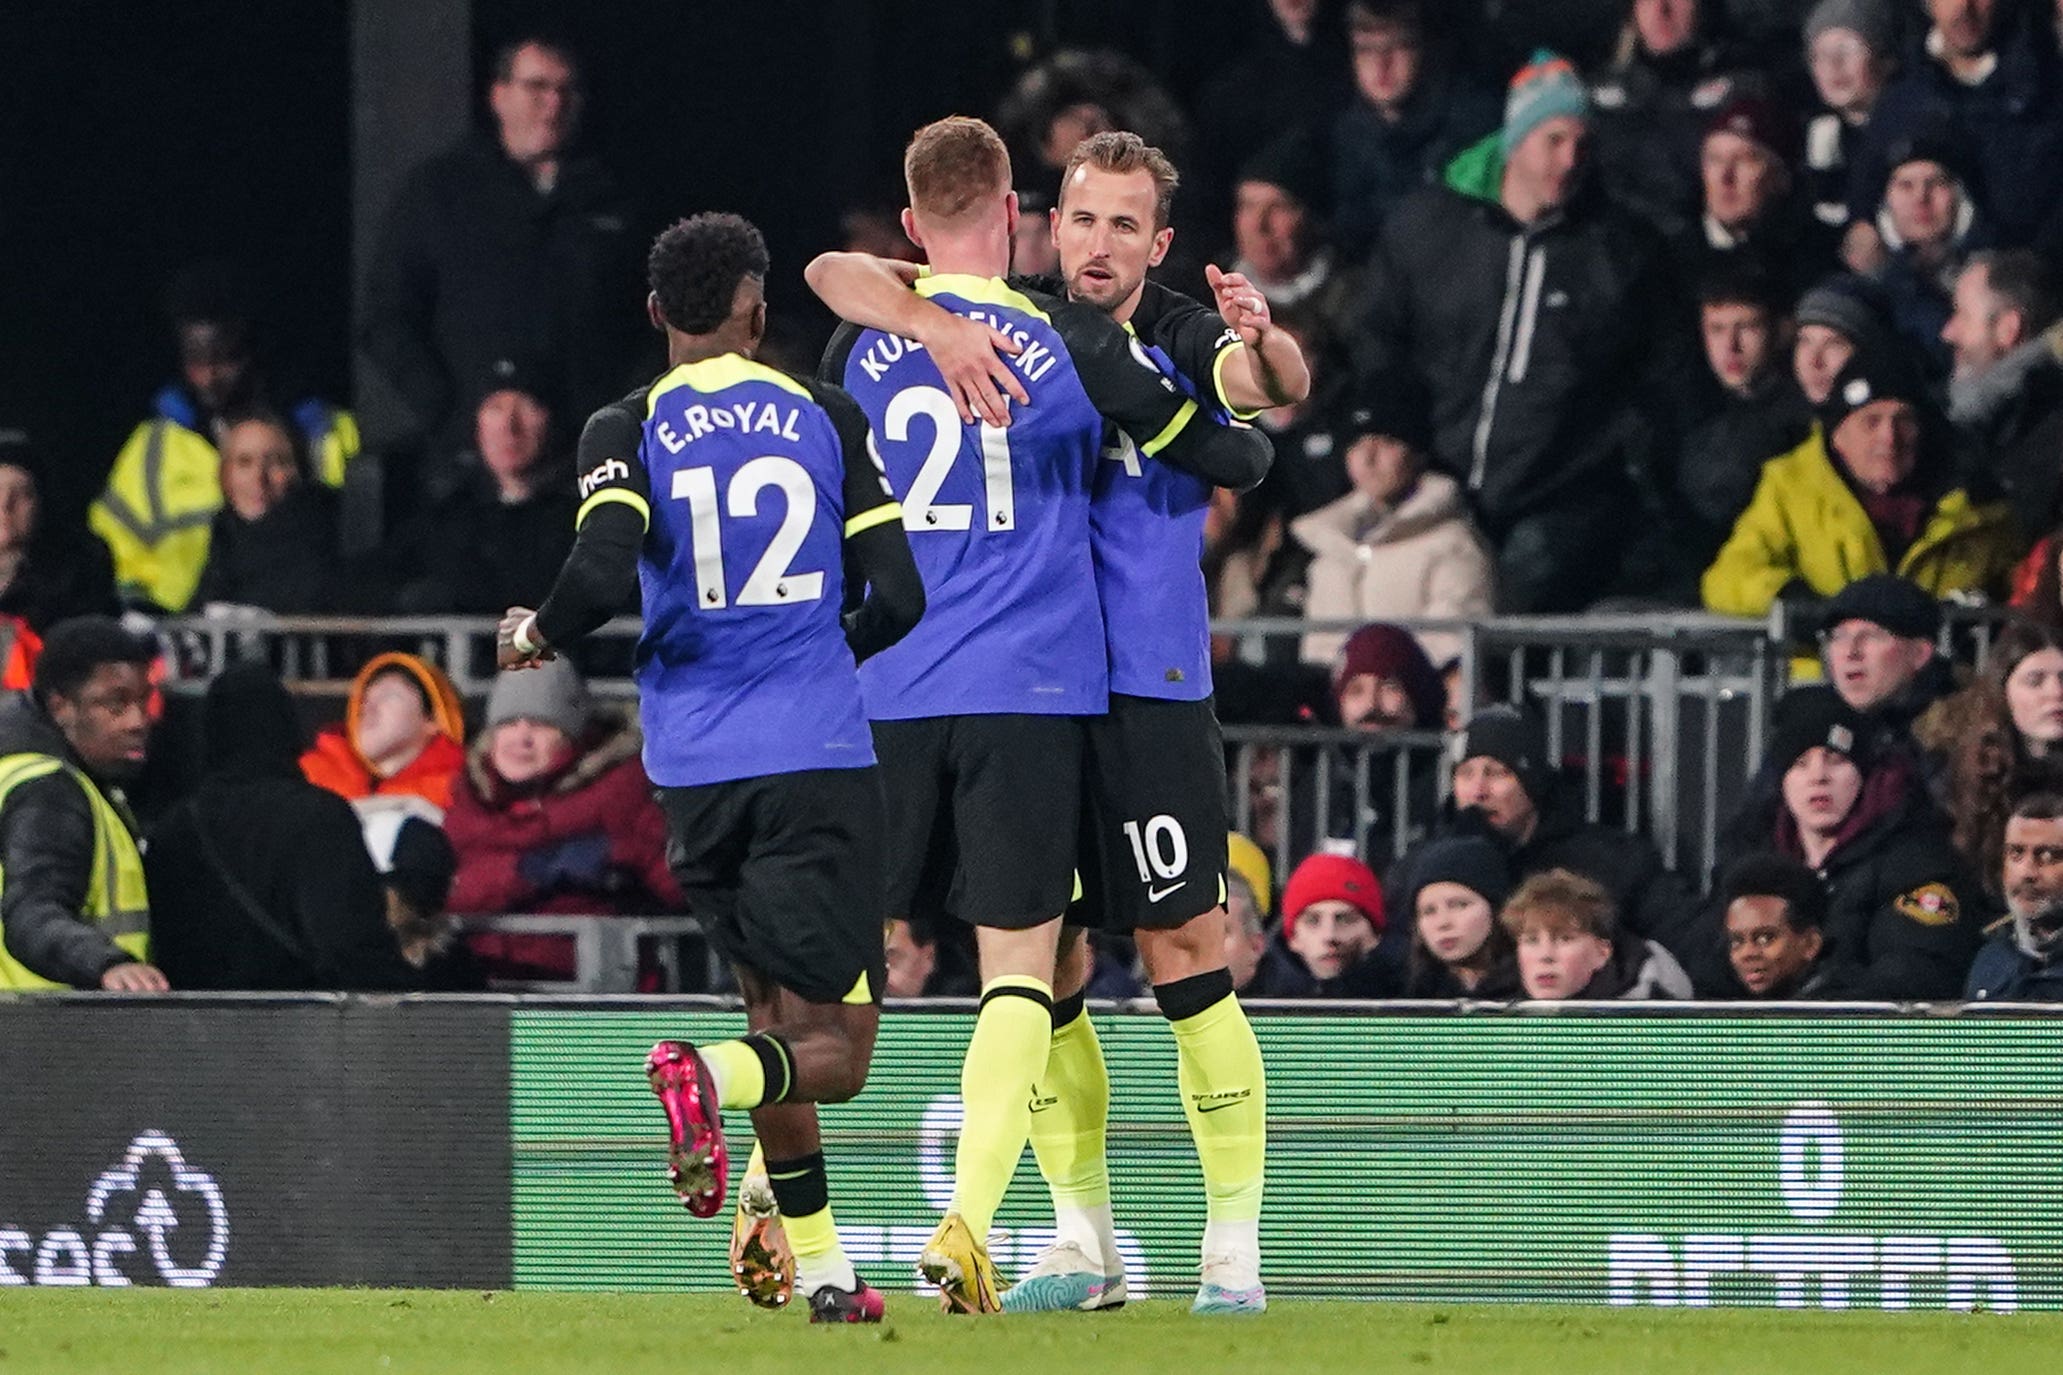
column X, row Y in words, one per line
column 1631, row 1160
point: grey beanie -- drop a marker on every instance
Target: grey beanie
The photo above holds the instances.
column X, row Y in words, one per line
column 552, row 693
column 1869, row 19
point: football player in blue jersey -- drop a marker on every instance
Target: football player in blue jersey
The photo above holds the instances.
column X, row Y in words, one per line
column 745, row 510
column 979, row 714
column 1154, row 791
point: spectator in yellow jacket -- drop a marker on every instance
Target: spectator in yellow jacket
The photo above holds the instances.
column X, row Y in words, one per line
column 165, row 488
column 1881, row 496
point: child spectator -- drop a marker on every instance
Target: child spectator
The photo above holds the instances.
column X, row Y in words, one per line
column 1458, row 947
column 399, row 737
column 1775, row 913
column 1332, row 921
column 1570, row 946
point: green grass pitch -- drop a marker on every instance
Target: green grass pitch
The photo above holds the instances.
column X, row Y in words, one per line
column 381, row 1332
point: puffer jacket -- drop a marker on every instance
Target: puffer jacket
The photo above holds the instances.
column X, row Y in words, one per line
column 334, row 762
column 1535, row 342
column 589, row 839
column 1421, row 558
column 1806, row 525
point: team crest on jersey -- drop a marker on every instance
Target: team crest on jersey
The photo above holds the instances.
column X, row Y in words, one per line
column 1931, row 904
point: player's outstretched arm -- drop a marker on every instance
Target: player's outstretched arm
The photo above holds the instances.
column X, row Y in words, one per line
column 1270, row 370
column 877, row 551
column 1131, row 392
column 971, row 356
column 600, row 576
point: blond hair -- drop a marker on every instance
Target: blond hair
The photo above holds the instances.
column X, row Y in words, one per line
column 955, row 167
column 1562, row 901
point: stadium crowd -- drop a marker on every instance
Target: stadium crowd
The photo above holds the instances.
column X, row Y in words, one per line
column 1761, row 310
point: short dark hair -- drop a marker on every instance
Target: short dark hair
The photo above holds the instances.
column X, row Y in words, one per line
column 695, row 267
column 1122, row 152
column 258, row 413
column 505, row 55
column 1769, row 875
column 75, row 648
column 1742, row 286
column 1363, row 15
column 2038, row 807
column 2021, row 278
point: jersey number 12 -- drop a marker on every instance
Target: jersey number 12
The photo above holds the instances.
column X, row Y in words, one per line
column 771, row 583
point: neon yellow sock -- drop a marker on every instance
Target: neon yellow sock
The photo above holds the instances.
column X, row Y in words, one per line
column 757, row 1164
column 1005, row 1058
column 812, row 1237
column 740, row 1078
column 1070, row 1115
column 1225, row 1094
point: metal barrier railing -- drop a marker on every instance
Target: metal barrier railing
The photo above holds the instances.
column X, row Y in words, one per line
column 1299, row 789
column 1665, row 713
column 605, row 950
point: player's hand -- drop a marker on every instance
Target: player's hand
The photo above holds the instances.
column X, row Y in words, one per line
column 1240, row 302
column 972, row 358
column 506, row 653
column 135, row 978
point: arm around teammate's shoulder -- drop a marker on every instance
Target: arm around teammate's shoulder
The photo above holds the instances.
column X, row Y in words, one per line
column 1125, row 385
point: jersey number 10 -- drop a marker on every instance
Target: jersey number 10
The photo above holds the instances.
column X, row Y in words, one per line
column 771, row 583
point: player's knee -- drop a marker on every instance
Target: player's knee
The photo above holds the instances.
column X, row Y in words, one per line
column 1182, row 999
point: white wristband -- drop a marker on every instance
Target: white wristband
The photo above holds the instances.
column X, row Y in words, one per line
column 520, row 638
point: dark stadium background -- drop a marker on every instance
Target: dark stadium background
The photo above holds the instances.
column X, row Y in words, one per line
column 135, row 136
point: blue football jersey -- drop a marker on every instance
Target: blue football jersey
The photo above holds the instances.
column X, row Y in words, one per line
column 1147, row 518
column 998, row 519
column 745, row 477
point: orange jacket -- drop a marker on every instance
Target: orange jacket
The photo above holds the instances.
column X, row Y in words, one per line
column 335, row 763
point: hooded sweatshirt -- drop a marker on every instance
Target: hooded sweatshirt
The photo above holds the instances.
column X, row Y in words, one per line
column 262, row 879
column 334, row 761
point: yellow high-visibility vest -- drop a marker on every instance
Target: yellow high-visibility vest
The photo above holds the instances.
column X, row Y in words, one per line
column 115, row 896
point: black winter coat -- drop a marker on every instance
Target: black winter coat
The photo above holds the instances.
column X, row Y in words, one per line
column 258, row 834
column 1283, row 974
column 46, row 855
column 1905, row 911
column 285, row 561
column 1535, row 343
column 474, row 265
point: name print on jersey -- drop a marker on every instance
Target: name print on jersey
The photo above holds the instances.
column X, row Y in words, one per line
column 743, row 417
column 1034, row 360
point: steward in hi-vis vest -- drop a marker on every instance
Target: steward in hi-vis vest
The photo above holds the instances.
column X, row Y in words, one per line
column 73, row 910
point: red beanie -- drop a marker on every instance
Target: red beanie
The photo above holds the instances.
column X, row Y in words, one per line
column 1332, row 878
